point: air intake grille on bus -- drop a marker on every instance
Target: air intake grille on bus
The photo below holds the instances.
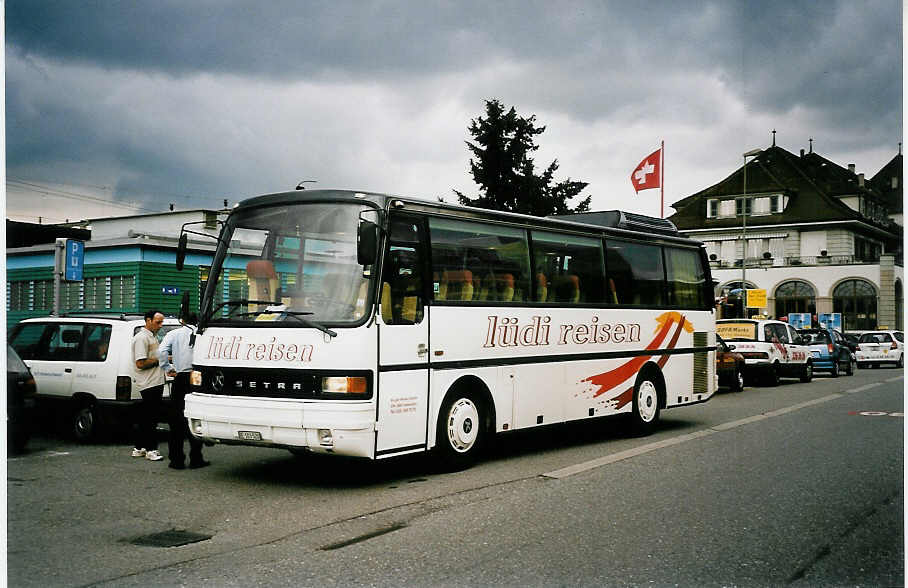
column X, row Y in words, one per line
column 701, row 364
column 623, row 220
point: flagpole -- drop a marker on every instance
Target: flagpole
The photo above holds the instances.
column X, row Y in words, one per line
column 662, row 181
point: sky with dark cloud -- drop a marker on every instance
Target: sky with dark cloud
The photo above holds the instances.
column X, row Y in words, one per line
column 114, row 107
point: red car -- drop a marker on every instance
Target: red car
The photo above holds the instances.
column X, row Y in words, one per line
column 729, row 366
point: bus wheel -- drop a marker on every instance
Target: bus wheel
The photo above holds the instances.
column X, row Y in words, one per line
column 645, row 411
column 460, row 431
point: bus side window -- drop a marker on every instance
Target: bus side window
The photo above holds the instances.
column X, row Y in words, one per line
column 402, row 284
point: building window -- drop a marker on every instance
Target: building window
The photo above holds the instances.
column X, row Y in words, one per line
column 739, row 206
column 42, row 295
column 795, row 296
column 123, row 292
column 17, row 295
column 856, row 300
column 712, row 208
column 731, row 300
column 775, row 203
column 899, row 306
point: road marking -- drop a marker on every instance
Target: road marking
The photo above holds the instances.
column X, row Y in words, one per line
column 629, row 453
column 864, row 387
column 875, row 413
column 622, row 455
column 895, row 379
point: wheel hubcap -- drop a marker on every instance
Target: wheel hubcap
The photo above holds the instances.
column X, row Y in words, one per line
column 647, row 401
column 463, row 425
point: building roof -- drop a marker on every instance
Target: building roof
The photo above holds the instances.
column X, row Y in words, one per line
column 813, row 185
column 884, row 180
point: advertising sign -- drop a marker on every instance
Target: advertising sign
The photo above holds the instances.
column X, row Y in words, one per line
column 799, row 320
column 830, row 320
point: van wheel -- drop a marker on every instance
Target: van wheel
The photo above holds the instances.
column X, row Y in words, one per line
column 85, row 423
column 460, row 432
column 645, row 411
column 772, row 375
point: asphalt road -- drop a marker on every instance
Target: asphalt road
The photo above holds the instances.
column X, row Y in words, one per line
column 800, row 484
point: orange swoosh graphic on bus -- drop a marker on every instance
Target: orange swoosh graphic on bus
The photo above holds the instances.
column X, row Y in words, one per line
column 608, row 380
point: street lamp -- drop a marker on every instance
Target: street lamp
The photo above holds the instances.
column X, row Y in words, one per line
column 751, row 153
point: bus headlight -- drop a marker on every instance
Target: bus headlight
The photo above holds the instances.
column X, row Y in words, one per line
column 344, row 385
column 195, row 378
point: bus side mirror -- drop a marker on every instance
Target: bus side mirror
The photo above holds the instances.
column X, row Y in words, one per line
column 181, row 251
column 366, row 242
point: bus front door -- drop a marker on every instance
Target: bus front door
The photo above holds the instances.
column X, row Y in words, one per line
column 403, row 343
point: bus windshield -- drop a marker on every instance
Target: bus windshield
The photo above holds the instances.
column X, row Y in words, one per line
column 288, row 265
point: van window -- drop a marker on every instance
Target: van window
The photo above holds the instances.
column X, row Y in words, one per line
column 97, row 342
column 30, row 340
column 65, row 343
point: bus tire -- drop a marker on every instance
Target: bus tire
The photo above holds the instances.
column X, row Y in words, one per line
column 461, row 432
column 646, row 403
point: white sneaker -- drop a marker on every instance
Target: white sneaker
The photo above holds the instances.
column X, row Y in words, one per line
column 138, row 452
column 153, row 455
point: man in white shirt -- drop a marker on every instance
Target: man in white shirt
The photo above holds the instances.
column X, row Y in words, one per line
column 175, row 355
column 150, row 381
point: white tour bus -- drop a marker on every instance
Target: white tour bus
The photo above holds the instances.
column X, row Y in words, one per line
column 371, row 325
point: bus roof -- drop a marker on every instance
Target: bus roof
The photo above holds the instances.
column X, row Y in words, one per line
column 603, row 222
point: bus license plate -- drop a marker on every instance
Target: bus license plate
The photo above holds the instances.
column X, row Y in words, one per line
column 250, row 435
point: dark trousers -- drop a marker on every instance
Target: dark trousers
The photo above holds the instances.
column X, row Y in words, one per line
column 179, row 425
column 147, row 418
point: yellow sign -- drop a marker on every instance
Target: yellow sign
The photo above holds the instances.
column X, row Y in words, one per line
column 737, row 331
column 756, row 298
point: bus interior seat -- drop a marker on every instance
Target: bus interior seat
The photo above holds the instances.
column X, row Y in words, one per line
column 505, row 287
column 565, row 289
column 456, row 285
column 262, row 278
column 542, row 287
column 613, row 292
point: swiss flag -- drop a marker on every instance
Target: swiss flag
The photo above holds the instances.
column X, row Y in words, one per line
column 648, row 173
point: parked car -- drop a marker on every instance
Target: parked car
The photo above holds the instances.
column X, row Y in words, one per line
column 771, row 349
column 729, row 366
column 83, row 366
column 829, row 350
column 20, row 401
column 878, row 347
column 852, row 341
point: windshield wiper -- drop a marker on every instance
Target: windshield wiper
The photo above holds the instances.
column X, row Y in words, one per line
column 298, row 315
column 239, row 302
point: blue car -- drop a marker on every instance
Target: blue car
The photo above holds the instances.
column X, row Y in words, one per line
column 829, row 350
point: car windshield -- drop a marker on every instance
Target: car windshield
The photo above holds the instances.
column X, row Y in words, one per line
column 289, row 265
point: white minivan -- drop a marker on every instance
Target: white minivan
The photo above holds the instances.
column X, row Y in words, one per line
column 771, row 349
column 83, row 366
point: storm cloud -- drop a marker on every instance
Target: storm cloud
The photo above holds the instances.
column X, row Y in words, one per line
column 195, row 102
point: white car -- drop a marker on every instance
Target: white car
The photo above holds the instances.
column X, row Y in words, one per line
column 879, row 347
column 771, row 349
column 83, row 366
